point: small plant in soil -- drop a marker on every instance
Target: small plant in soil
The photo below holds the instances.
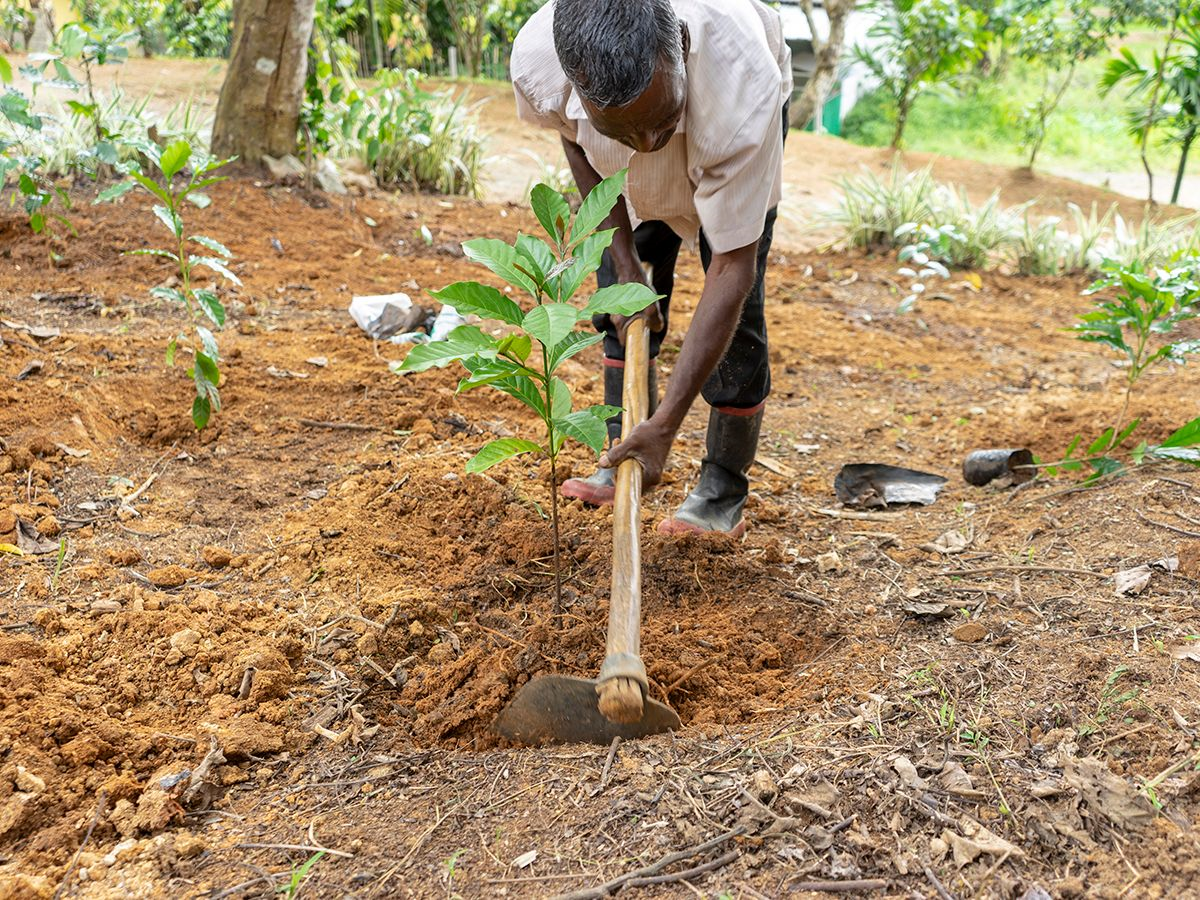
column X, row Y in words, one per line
column 550, row 272
column 182, row 177
column 1145, row 309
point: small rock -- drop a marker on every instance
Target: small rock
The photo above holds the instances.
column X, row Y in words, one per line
column 124, row 556
column 970, row 633
column 8, row 522
column 186, row 641
column 123, row 850
column 168, row 576
column 173, row 657
column 328, row 179
column 217, row 557
column 440, row 654
column 28, row 782
column 763, row 786
column 48, row 525
column 189, row 845
column 103, row 607
column 283, row 167
column 829, row 562
column 416, row 629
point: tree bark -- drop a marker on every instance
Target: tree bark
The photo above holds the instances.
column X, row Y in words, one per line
column 259, row 108
column 1183, row 159
column 902, row 108
column 827, row 56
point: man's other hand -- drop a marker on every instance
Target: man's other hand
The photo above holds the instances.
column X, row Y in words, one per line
column 649, row 444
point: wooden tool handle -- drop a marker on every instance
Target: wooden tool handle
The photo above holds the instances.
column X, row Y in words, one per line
column 625, row 609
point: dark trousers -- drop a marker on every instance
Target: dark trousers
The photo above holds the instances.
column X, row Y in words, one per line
column 742, row 379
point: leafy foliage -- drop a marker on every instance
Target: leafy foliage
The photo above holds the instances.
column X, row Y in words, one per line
column 183, row 175
column 1137, row 321
column 918, row 44
column 550, row 272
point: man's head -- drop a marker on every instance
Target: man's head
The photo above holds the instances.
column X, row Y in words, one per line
column 626, row 58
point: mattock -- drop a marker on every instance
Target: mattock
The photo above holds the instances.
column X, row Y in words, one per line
column 559, row 708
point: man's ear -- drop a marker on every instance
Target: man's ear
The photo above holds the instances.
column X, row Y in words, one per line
column 686, row 37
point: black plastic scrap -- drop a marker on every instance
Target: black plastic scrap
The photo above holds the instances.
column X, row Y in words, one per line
column 983, row 466
column 874, row 485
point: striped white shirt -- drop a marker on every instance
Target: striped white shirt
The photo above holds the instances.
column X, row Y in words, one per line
column 723, row 168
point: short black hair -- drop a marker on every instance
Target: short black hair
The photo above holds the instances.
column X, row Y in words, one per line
column 610, row 49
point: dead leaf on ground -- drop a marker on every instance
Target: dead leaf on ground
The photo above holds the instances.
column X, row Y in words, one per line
column 908, row 773
column 1131, row 582
column 1107, row 794
column 71, row 451
column 31, row 368
column 954, row 780
column 978, row 841
column 953, row 541
column 284, row 373
column 1187, row 651
column 30, row 540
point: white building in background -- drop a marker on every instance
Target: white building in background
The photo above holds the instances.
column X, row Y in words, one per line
column 853, row 79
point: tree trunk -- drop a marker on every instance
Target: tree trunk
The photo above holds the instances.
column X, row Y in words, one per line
column 259, row 108
column 902, row 107
column 827, row 54
column 1183, row 158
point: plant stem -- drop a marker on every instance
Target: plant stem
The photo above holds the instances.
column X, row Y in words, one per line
column 554, row 531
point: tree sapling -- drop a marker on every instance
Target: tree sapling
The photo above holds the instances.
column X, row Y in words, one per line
column 550, row 273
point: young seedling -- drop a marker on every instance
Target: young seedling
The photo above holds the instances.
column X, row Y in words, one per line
column 178, row 184
column 929, row 247
column 292, row 888
column 550, row 272
column 1137, row 322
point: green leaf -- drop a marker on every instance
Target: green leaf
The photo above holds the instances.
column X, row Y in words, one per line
column 170, row 219
column 6, row 75
column 620, row 299
column 217, row 265
column 473, row 299
column 523, row 388
column 585, row 428
column 1125, row 433
column 537, row 254
column 166, row 293
column 1187, row 436
column 463, row 342
column 550, row 323
column 172, row 346
column 208, row 341
column 596, row 206
column 153, row 251
column 518, row 345
column 575, row 342
column 502, row 259
column 201, row 412
column 589, row 254
column 211, row 305
column 602, row 412
column 174, row 158
column 1102, row 443
column 215, row 246
column 488, row 371
column 113, row 191
column 150, row 185
column 498, row 451
column 206, row 369
column 560, row 398
column 551, row 210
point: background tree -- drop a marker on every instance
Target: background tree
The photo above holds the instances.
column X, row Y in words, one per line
column 259, row 108
column 827, row 53
column 917, row 44
column 1056, row 41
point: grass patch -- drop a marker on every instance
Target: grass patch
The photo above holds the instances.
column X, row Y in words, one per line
column 981, row 121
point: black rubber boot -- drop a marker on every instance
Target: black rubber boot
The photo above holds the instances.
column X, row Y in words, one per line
column 599, row 489
column 715, row 504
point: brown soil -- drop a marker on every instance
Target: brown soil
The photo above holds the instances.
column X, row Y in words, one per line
column 374, row 607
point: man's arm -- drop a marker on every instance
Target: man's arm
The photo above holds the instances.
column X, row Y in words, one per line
column 728, row 282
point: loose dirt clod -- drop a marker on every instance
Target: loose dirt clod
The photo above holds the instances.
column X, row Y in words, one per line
column 216, row 557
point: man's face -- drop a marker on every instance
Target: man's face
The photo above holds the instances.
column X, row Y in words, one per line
column 648, row 123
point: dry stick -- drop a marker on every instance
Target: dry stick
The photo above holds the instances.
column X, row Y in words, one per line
column 307, row 848
column 686, row 675
column 723, row 860
column 835, row 887
column 937, row 884
column 1168, row 526
column 610, row 887
column 338, row 426
column 612, row 754
column 87, row 837
column 993, row 570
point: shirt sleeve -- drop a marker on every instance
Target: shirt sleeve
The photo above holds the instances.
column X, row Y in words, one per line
column 734, row 194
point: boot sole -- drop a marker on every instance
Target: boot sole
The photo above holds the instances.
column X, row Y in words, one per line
column 677, row 527
column 591, row 494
